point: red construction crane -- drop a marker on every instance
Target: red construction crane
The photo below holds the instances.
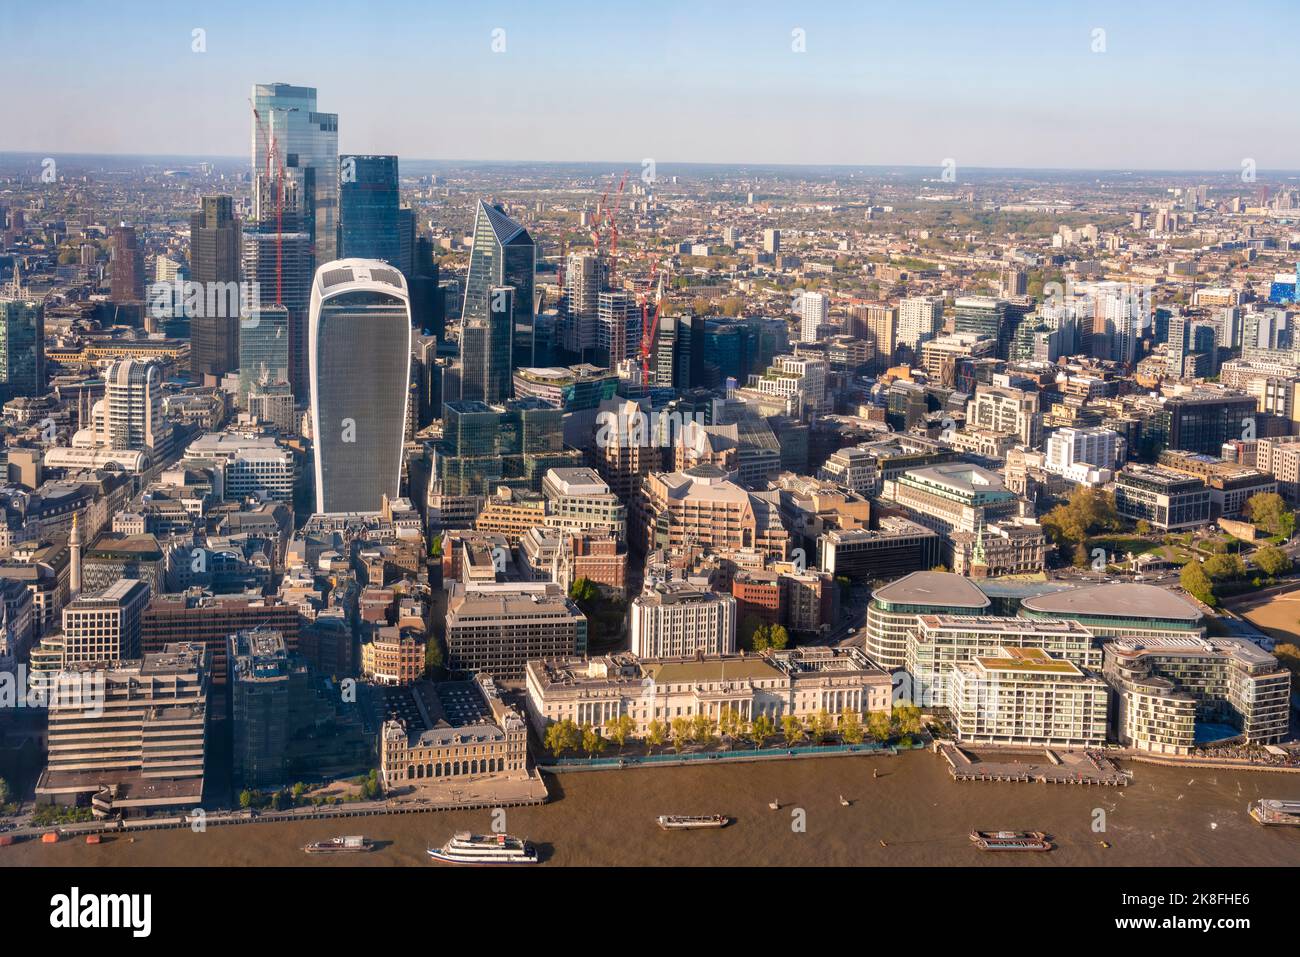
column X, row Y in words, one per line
column 649, row 325
column 273, row 152
column 611, row 219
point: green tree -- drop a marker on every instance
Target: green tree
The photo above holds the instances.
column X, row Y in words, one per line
column 778, row 638
column 1196, row 583
column 1269, row 511
column 1143, row 527
column 880, row 725
column 655, row 733
column 908, row 718
column 760, row 729
column 681, row 732
column 5, row 793
column 729, row 722
column 561, row 736
column 592, row 742
column 246, row 799
column 851, row 727
column 702, row 729
column 1225, row 566
column 819, row 725
column 620, row 728
column 1272, row 560
column 299, row 789
column 1288, row 655
column 791, row 729
column 432, row 656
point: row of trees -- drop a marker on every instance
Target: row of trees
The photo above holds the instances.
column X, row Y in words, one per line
column 731, row 725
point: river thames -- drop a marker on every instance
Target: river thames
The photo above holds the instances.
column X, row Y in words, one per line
column 1167, row 816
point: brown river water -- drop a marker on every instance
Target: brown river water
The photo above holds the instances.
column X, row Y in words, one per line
column 1167, row 816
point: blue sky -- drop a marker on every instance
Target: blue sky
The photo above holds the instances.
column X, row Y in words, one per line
column 1186, row 85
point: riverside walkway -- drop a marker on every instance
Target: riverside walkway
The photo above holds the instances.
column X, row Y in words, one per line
column 1066, row 767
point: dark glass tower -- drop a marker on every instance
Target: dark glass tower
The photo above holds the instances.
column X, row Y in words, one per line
column 503, row 256
column 360, row 347
column 22, row 348
column 214, row 266
column 428, row 302
column 368, row 209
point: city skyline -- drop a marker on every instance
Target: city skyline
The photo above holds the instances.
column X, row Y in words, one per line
column 1011, row 88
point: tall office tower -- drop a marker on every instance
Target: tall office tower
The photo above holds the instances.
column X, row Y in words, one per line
column 1176, row 348
column 131, row 410
column 214, row 265
column 1264, row 330
column 503, row 255
column 307, row 155
column 428, row 303
column 485, row 348
column 618, row 328
column 814, row 307
column 263, row 351
column 368, row 209
column 278, row 266
column 1015, row 282
column 920, row 319
column 772, row 241
column 982, row 315
column 105, row 627
column 406, row 236
column 360, row 348
column 22, row 348
column 688, row 352
column 126, row 283
column 586, row 276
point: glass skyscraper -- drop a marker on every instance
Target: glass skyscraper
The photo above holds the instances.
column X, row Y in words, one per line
column 360, row 347
column 501, row 334
column 291, row 252
column 308, row 147
column 369, row 209
column 22, row 348
column 263, row 349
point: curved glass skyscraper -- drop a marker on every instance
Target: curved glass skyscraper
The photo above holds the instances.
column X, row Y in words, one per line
column 359, row 341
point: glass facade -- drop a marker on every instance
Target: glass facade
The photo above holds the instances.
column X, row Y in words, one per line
column 368, row 209
column 22, row 348
column 360, row 368
column 263, row 349
column 308, row 147
column 500, row 331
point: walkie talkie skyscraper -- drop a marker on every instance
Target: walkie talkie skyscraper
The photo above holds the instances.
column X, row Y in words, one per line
column 359, row 341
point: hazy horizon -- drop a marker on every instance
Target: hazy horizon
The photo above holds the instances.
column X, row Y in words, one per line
column 1004, row 86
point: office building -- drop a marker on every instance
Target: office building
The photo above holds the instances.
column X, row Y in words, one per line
column 920, row 319
column 799, row 682
column 497, row 318
column 127, row 272
column 1024, row 696
column 264, row 351
column 368, row 209
column 142, row 746
column 296, row 163
column 1167, row 499
column 360, row 348
column 939, row 642
column 105, row 627
column 498, row 628
column 22, row 348
column 678, row 620
column 214, row 266
column 278, row 268
column 894, row 611
column 814, row 309
column 1120, row 609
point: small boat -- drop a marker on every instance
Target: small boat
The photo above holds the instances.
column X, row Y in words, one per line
column 1011, row 840
column 352, row 844
column 686, row 822
column 844, row 802
column 883, row 844
column 92, row 838
column 1271, row 811
column 467, row 848
column 774, row 805
column 1103, row 843
column 875, row 772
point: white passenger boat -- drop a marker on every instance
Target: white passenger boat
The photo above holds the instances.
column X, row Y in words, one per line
column 467, row 848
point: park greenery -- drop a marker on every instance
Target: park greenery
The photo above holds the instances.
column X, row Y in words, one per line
column 605, row 614
column 1088, row 512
